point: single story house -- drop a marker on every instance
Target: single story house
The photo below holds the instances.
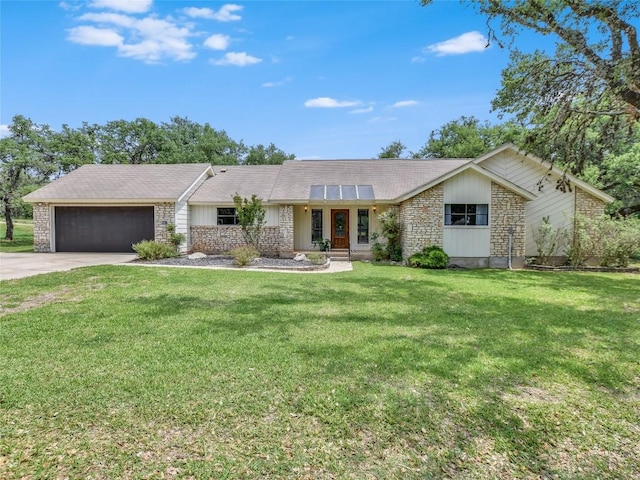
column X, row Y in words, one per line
column 482, row 211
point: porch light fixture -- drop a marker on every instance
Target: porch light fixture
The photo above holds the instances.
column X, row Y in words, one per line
column 375, row 209
column 305, row 209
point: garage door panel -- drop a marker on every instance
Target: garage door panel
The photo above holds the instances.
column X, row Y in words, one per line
column 102, row 229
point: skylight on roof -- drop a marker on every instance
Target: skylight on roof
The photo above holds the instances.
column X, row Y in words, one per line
column 341, row 192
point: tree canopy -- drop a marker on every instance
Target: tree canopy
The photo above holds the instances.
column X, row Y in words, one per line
column 585, row 98
column 34, row 154
column 394, row 150
column 468, row 137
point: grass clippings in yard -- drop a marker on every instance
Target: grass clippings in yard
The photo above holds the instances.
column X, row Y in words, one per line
column 383, row 372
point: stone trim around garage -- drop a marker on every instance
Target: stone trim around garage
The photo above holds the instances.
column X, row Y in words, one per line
column 42, row 227
column 43, row 219
column 164, row 214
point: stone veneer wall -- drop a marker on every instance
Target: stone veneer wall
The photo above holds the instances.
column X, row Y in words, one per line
column 422, row 220
column 222, row 238
column 163, row 212
column 285, row 240
column 42, row 224
column 591, row 208
column 41, row 228
column 588, row 205
column 507, row 210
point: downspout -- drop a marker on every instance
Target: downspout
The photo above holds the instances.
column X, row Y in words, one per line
column 510, row 248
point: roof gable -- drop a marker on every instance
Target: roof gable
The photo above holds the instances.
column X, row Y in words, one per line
column 482, row 171
column 534, row 160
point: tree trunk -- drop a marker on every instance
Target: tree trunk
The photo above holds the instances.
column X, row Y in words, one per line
column 9, row 221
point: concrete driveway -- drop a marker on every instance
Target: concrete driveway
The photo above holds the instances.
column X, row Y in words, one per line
column 20, row 265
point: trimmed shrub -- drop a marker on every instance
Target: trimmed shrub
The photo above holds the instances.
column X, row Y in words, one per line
column 151, row 250
column 612, row 241
column 549, row 240
column 430, row 257
column 316, row 258
column 243, row 256
column 175, row 239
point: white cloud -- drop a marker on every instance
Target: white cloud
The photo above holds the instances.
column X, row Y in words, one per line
column 418, row 59
column 382, row 119
column 102, row 37
column 70, row 6
column 225, row 14
column 277, row 84
column 194, row 12
column 127, row 6
column 238, row 59
column 148, row 39
column 465, row 43
column 362, row 110
column 217, row 42
column 289, row 37
column 4, row 131
column 109, row 18
column 404, row 103
column 327, row 102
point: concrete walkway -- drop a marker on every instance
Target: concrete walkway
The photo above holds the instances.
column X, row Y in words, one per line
column 20, row 265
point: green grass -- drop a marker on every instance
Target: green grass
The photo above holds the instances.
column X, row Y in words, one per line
column 383, row 372
column 22, row 236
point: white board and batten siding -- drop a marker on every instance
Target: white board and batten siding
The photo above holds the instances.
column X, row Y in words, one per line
column 182, row 212
column 557, row 205
column 207, row 215
column 467, row 241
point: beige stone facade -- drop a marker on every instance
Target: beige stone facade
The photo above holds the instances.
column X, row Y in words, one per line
column 507, row 214
column 164, row 214
column 286, row 237
column 590, row 208
column 41, row 227
column 219, row 239
column 422, row 220
column 588, row 205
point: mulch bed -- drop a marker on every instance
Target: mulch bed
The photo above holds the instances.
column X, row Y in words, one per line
column 567, row 268
column 227, row 261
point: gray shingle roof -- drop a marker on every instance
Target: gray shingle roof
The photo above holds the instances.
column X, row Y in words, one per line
column 244, row 180
column 121, row 183
column 290, row 182
column 390, row 179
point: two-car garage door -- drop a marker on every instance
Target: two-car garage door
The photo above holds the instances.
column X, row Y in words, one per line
column 102, row 229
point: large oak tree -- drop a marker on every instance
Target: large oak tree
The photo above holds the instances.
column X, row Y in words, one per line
column 584, row 99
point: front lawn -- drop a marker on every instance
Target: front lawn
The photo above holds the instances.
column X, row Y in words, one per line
column 22, row 236
column 383, row 372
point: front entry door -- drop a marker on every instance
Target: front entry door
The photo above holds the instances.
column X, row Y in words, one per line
column 340, row 228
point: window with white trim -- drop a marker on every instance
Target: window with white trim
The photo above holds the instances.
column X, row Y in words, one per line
column 363, row 225
column 468, row 214
column 227, row 216
column 316, row 225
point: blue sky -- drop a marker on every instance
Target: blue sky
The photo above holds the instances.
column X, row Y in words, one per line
column 324, row 79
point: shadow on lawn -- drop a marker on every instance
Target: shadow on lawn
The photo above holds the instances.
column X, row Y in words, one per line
column 420, row 341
